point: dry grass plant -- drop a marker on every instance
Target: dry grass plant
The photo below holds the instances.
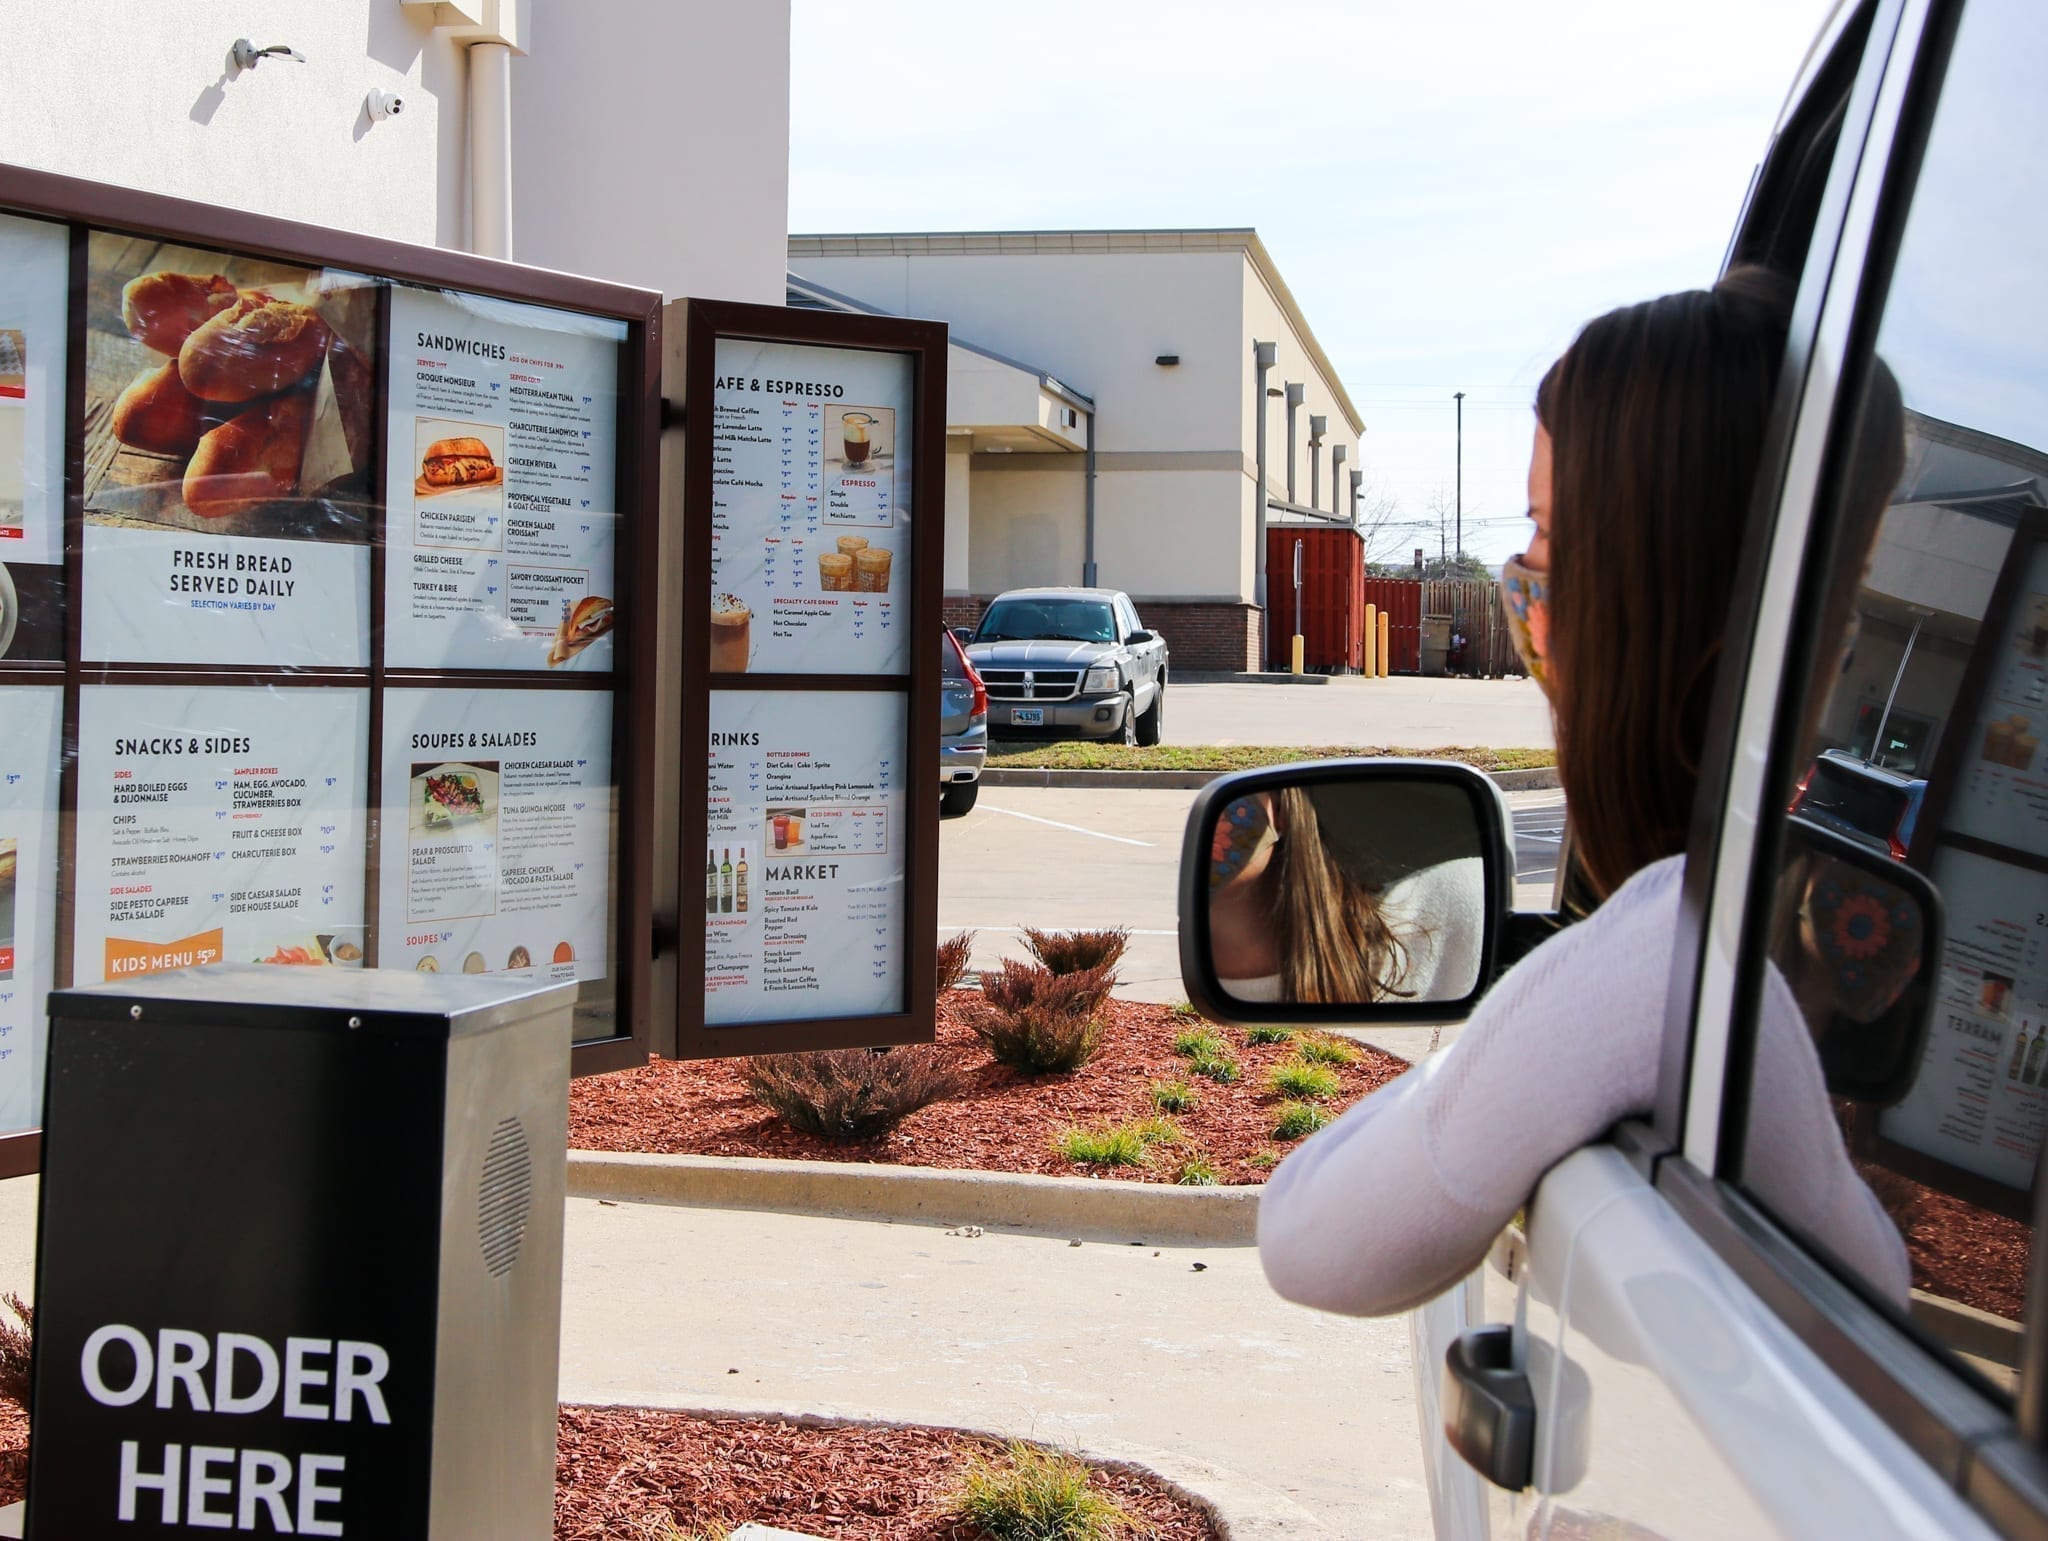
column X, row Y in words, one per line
column 1039, row 1022
column 1077, row 952
column 852, row 1094
column 1035, row 1494
column 953, row 956
column 17, row 1344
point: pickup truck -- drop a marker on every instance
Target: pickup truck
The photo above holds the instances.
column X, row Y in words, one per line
column 1070, row 661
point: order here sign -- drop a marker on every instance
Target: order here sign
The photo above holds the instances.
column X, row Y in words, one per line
column 232, row 1375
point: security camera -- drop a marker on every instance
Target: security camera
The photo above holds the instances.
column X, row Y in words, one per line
column 384, row 104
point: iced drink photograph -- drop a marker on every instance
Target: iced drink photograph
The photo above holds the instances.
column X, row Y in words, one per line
column 731, row 634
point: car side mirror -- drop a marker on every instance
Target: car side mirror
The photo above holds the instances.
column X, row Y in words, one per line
column 1344, row 891
column 1137, row 637
column 962, row 634
column 1859, row 943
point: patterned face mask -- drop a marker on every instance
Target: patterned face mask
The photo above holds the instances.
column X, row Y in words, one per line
column 1525, row 595
column 1242, row 832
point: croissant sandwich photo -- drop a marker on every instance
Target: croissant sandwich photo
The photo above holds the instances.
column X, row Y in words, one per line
column 460, row 462
column 587, row 620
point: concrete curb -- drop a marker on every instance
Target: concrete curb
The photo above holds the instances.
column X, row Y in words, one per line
column 1225, row 677
column 1241, row 1508
column 1189, row 780
column 1088, row 1209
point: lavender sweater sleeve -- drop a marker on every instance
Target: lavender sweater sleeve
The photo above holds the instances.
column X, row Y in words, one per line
column 1400, row 1198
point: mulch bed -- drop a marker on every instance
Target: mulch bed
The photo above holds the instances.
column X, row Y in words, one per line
column 619, row 1472
column 1966, row 1254
column 1000, row 1122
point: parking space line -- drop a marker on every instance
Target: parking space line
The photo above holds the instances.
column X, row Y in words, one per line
column 1073, row 828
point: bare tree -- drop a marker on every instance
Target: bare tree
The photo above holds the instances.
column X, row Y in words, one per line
column 1380, row 529
column 1443, row 517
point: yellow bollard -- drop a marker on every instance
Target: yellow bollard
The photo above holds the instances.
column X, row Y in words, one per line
column 1383, row 644
column 1298, row 650
column 1372, row 641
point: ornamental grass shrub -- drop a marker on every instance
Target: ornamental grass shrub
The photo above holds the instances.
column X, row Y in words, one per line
column 1077, row 952
column 17, row 1343
column 1040, row 1022
column 1035, row 1494
column 851, row 1094
column 953, row 956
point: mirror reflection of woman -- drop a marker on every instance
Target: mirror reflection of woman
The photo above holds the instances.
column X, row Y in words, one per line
column 1290, row 920
column 1649, row 439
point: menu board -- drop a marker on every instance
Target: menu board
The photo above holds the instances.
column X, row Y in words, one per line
column 811, row 508
column 1981, row 1099
column 2001, row 791
column 497, row 832
column 229, row 411
column 219, row 823
column 804, row 869
column 502, row 485
column 35, row 258
column 30, row 763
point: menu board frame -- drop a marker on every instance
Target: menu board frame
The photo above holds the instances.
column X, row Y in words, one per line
column 692, row 363
column 85, row 207
column 1931, row 835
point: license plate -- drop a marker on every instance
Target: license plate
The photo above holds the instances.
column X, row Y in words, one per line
column 1027, row 716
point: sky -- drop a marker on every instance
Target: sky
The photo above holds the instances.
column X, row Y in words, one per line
column 1449, row 190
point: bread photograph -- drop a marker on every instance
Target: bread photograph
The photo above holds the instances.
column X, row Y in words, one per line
column 227, row 395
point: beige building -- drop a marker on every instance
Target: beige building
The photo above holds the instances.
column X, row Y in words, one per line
column 1104, row 412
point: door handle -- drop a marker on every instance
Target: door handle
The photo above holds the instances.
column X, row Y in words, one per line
column 1489, row 1410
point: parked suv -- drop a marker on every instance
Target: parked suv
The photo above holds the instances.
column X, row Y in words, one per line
column 1660, row 1345
column 963, row 730
column 1070, row 660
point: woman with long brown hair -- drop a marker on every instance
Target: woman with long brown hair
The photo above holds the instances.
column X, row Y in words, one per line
column 1308, row 905
column 1648, row 442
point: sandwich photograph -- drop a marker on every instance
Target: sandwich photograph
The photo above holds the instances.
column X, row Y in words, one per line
column 458, row 457
column 227, row 395
column 582, row 624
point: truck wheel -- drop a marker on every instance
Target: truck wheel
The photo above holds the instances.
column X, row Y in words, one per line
column 1129, row 736
column 1154, row 718
column 957, row 798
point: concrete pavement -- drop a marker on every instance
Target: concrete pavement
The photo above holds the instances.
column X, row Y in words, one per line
column 1078, row 858
column 1405, row 712
column 1180, row 1358
column 1304, row 1422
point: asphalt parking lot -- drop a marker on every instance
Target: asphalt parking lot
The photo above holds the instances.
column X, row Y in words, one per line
column 1400, row 712
column 1073, row 859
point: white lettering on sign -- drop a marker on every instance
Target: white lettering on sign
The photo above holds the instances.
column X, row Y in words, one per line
column 223, row 1488
column 96, row 1345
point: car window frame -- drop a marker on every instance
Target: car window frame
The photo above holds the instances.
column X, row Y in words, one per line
column 1989, row 1451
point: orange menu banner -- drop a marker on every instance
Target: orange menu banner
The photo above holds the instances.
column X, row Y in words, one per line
column 125, row 958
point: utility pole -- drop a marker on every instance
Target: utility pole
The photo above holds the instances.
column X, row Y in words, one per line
column 1459, row 397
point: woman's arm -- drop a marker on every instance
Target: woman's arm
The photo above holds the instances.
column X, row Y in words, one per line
column 1401, row 1197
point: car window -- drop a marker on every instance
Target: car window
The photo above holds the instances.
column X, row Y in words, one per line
column 951, row 665
column 1129, row 617
column 1915, row 754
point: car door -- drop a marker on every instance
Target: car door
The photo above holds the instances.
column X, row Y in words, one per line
column 1727, row 1362
column 1144, row 655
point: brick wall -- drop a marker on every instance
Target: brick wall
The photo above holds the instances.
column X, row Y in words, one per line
column 1219, row 636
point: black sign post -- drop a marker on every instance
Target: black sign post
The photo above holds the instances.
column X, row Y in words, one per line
column 300, row 1256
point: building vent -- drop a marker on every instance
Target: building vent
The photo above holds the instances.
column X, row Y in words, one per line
column 504, row 1200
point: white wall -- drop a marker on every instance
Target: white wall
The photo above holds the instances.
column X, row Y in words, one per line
column 137, row 92
column 959, row 503
column 1265, row 321
column 1025, row 527
column 1173, row 534
column 1095, row 321
column 650, row 138
column 650, row 144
